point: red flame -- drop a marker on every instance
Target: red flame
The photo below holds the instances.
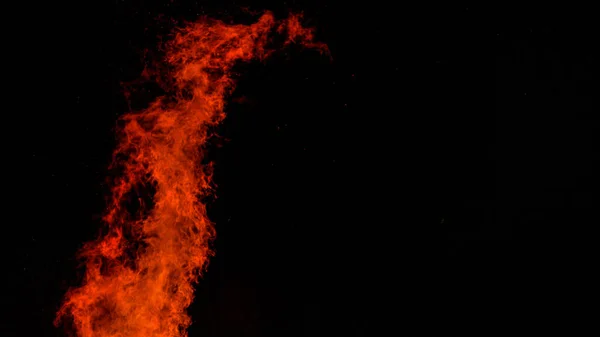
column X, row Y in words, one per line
column 140, row 275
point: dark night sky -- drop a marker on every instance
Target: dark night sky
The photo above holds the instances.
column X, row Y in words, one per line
column 386, row 188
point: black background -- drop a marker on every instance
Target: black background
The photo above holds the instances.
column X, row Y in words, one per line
column 387, row 189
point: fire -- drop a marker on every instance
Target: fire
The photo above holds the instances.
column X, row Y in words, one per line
column 140, row 273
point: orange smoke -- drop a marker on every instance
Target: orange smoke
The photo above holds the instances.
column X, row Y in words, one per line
column 140, row 274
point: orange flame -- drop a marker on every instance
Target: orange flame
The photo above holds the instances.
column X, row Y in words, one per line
column 140, row 274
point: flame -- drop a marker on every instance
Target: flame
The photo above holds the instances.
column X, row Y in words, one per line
column 140, row 273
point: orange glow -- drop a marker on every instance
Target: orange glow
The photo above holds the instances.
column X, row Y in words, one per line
column 140, row 273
